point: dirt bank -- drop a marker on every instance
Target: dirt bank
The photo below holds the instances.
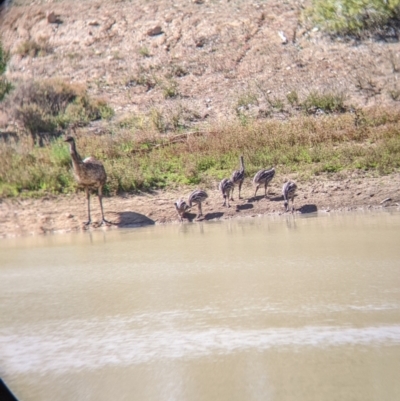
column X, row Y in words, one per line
column 67, row 213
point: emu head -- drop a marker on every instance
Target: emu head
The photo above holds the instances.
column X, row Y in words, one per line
column 69, row 139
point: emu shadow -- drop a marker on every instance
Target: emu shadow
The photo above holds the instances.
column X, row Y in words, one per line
column 311, row 208
column 211, row 216
column 131, row 219
column 245, row 206
column 256, row 198
column 269, row 197
column 189, row 216
column 279, row 198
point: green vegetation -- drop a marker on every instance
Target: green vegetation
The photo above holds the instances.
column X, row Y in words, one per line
column 5, row 85
column 293, row 98
column 170, row 89
column 326, row 102
column 144, row 52
column 245, row 101
column 354, row 17
column 276, row 103
column 315, row 102
column 145, row 159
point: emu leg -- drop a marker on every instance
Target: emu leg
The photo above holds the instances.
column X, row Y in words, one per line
column 88, row 206
column 100, row 195
column 255, row 193
column 240, row 189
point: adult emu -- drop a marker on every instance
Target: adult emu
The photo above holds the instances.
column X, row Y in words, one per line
column 89, row 174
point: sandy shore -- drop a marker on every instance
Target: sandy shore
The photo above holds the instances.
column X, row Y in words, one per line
column 57, row 214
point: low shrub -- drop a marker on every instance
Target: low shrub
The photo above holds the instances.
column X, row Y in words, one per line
column 50, row 105
column 293, row 98
column 326, row 102
column 355, row 17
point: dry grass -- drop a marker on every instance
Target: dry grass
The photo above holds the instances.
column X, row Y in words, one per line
column 34, row 48
column 144, row 160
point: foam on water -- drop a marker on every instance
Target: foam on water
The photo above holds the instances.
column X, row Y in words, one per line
column 91, row 345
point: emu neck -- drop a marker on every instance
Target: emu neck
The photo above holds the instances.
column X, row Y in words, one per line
column 76, row 159
column 241, row 164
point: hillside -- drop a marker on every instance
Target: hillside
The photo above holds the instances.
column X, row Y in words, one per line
column 204, row 57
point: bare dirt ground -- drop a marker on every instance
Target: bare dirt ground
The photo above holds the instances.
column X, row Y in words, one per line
column 212, row 54
column 68, row 213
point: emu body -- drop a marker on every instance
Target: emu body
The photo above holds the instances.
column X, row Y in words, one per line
column 226, row 187
column 181, row 207
column 289, row 190
column 197, row 197
column 263, row 177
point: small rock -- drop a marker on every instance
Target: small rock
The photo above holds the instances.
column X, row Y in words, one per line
column 51, row 17
column 155, row 31
column 283, row 37
column 386, row 200
column 200, row 42
column 69, row 215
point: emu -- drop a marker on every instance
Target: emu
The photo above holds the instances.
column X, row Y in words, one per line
column 196, row 198
column 89, row 173
column 181, row 207
column 226, row 187
column 238, row 177
column 263, row 177
column 288, row 190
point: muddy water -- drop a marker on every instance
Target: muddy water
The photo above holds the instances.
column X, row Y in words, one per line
column 257, row 309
